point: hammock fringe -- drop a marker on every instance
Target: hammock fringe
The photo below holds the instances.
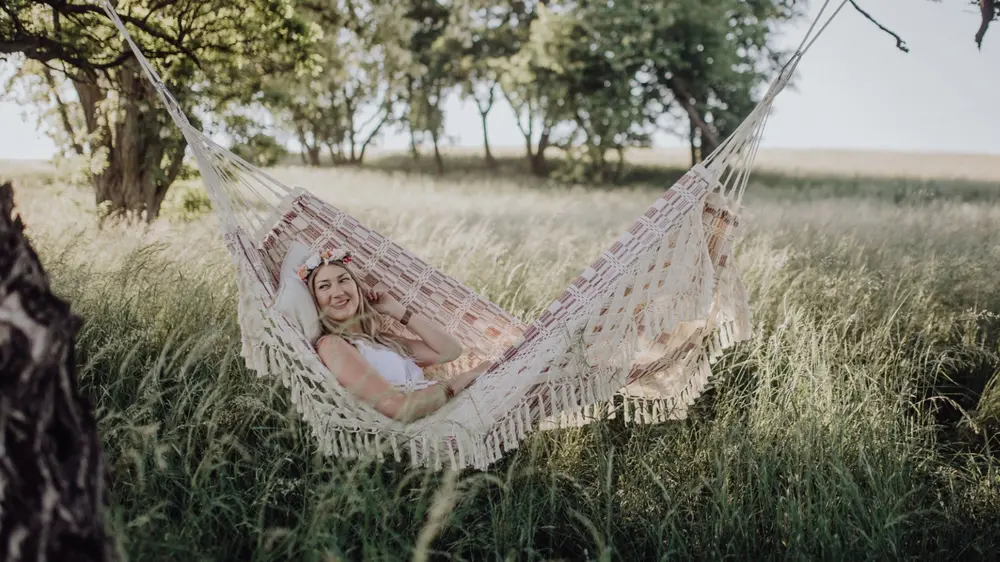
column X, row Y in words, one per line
column 569, row 398
column 643, row 323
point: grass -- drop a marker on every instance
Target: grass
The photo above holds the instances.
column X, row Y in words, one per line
column 856, row 425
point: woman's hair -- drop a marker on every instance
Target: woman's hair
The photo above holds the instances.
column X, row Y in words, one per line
column 367, row 318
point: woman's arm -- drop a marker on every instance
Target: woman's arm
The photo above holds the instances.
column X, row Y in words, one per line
column 358, row 376
column 435, row 345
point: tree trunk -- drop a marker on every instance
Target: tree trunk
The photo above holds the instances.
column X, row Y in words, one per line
column 599, row 161
column 337, row 157
column 413, row 144
column 539, row 166
column 300, row 132
column 313, row 153
column 693, row 140
column 63, row 112
column 491, row 162
column 371, row 137
column 53, row 472
column 620, row 166
column 140, row 165
column 706, row 143
column 438, row 161
column 709, row 138
column 409, row 119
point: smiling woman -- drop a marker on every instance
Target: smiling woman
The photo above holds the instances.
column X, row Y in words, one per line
column 381, row 369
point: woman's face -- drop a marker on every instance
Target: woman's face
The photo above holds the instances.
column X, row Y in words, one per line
column 336, row 293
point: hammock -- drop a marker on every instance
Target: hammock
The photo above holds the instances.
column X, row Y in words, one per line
column 644, row 321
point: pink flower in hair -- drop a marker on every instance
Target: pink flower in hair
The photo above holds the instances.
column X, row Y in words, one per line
column 323, row 258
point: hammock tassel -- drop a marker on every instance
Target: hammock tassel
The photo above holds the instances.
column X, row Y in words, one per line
column 673, row 264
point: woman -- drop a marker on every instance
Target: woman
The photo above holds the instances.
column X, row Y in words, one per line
column 382, row 369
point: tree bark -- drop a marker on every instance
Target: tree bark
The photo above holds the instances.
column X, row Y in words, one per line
column 692, row 139
column 140, row 165
column 539, row 166
column 337, row 156
column 63, row 112
column 371, row 136
column 53, row 472
column 413, row 143
column 491, row 162
column 313, row 152
column 620, row 166
column 709, row 138
column 485, row 107
column 438, row 160
column 989, row 10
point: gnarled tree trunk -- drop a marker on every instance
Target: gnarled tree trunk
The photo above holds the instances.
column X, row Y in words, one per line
column 140, row 161
column 52, row 473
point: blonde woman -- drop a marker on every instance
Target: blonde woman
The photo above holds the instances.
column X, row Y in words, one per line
column 384, row 370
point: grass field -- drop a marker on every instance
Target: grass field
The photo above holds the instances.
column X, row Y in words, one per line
column 857, row 425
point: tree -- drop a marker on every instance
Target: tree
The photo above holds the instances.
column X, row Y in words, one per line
column 712, row 58
column 53, row 472
column 101, row 107
column 596, row 77
column 482, row 35
column 431, row 74
column 353, row 91
column 534, row 80
column 607, row 94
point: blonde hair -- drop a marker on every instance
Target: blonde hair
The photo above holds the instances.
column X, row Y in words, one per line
column 368, row 320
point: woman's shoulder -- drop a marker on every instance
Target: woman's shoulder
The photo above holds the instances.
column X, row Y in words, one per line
column 331, row 341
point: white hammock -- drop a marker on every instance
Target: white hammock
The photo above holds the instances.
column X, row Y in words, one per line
column 645, row 320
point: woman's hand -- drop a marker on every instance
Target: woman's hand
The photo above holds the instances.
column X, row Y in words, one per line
column 463, row 380
column 380, row 299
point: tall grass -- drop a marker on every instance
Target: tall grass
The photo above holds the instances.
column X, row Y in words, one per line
column 839, row 432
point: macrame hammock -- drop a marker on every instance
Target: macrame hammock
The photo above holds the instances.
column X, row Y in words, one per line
column 644, row 321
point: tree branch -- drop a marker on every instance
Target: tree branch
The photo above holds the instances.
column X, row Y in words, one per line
column 900, row 44
column 989, row 10
column 42, row 48
column 63, row 112
column 683, row 98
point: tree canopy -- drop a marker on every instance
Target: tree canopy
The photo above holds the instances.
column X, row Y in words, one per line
column 101, row 107
column 590, row 78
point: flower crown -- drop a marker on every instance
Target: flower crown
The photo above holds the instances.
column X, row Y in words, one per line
column 323, row 258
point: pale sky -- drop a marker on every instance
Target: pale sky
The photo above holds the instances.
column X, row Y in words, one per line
column 854, row 90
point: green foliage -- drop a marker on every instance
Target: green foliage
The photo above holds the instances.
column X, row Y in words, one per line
column 260, row 150
column 97, row 102
column 351, row 94
column 593, row 79
column 187, row 203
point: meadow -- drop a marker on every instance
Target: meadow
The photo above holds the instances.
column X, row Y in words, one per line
column 858, row 424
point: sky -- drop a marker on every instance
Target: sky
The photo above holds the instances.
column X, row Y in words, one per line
column 852, row 90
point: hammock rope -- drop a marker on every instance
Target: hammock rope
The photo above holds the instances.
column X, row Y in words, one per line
column 644, row 321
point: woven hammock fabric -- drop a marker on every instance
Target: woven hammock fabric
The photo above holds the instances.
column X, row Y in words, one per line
column 645, row 320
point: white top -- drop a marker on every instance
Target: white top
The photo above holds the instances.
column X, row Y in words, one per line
column 401, row 372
